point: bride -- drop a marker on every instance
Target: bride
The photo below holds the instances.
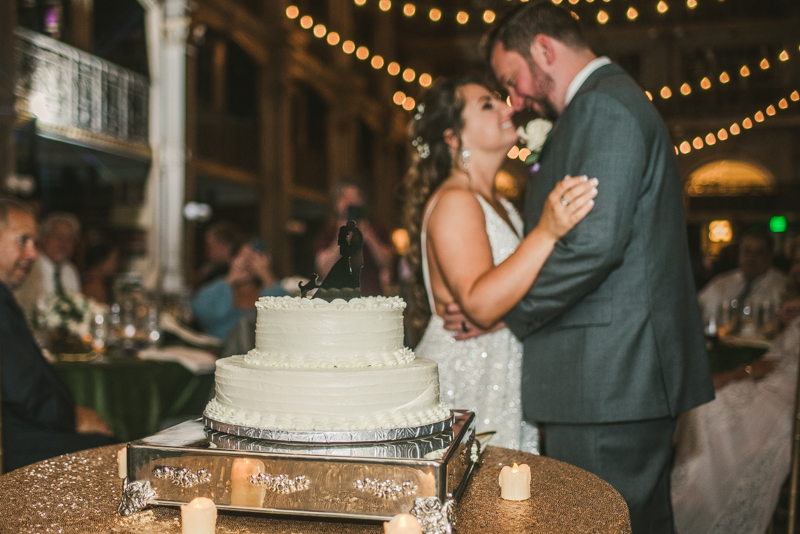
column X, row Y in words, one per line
column 466, row 247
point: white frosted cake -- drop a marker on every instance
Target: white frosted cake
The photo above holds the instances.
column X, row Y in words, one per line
column 328, row 366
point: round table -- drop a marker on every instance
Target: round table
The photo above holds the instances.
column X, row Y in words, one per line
column 79, row 493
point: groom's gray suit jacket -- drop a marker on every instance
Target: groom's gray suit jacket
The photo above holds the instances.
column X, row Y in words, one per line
column 611, row 327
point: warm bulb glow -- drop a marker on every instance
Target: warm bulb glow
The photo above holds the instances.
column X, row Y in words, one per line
column 747, row 123
column 409, row 10
column 408, row 103
column 697, row 143
column 685, row 89
column 662, row 7
column 649, row 95
column 574, row 15
column 735, row 129
column 602, row 17
column 320, row 31
column 705, row 83
column 401, row 241
column 771, row 110
column 435, row 14
column 720, row 232
column 722, row 134
column 393, row 68
column 425, row 80
column 385, row 5
column 348, row 47
column 764, row 64
column 710, row 139
column 556, row 2
column 513, row 153
column 795, row 96
column 744, row 71
column 685, row 147
column 691, row 4
column 632, row 14
column 409, row 75
column 306, row 22
column 724, row 78
column 523, row 154
column 488, row 16
column 784, row 56
column 665, row 92
column 399, row 97
column 376, row 62
column 360, row 2
column 573, row 2
column 515, row 468
column 362, row 52
column 759, row 116
column 462, row 17
column 676, row 150
column 333, row 38
column 292, row 12
column 783, row 104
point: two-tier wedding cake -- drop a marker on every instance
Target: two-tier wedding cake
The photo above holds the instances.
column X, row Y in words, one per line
column 328, row 366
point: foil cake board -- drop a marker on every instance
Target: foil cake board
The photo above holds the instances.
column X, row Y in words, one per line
column 351, row 480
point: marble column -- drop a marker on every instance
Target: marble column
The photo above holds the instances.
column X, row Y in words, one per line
column 167, row 26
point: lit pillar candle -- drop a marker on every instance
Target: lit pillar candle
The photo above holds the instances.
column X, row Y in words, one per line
column 515, row 482
column 122, row 462
column 402, row 524
column 244, row 492
column 199, row 517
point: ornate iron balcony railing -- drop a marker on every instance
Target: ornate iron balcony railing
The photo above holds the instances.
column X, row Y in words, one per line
column 81, row 97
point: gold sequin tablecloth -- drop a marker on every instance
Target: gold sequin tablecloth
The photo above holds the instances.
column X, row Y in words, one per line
column 79, row 493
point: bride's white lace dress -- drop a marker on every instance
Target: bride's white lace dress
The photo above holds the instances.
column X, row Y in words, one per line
column 483, row 374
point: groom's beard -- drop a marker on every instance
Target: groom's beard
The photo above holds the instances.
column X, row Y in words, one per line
column 545, row 84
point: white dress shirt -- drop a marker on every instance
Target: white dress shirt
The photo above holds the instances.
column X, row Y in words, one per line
column 767, row 289
column 581, row 77
column 40, row 284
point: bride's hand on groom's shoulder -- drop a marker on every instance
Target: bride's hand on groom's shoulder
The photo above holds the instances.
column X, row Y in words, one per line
column 455, row 321
column 570, row 201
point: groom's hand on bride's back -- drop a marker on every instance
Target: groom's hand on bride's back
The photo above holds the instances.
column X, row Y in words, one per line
column 462, row 328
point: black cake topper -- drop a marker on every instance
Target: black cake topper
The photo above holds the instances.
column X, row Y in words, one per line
column 344, row 279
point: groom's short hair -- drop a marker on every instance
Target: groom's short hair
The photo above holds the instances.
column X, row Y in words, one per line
column 518, row 26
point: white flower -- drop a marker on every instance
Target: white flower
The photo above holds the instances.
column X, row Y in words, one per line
column 535, row 133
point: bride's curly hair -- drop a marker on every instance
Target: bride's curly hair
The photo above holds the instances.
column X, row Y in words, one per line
column 440, row 109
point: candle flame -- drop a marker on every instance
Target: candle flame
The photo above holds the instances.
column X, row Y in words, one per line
column 402, row 522
column 515, row 468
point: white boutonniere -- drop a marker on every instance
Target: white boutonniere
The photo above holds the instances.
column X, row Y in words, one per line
column 534, row 135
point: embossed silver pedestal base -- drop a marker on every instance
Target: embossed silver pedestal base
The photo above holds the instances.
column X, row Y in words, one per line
column 357, row 480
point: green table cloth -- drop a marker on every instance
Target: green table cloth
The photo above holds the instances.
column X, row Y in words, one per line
column 136, row 396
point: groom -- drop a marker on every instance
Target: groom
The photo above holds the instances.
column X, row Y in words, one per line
column 613, row 346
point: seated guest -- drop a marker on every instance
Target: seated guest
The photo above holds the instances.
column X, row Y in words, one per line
column 39, row 417
column 790, row 307
column 732, row 454
column 754, row 281
column 102, row 264
column 53, row 271
column 222, row 242
column 220, row 304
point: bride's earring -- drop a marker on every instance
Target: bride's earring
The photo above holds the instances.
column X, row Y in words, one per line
column 465, row 154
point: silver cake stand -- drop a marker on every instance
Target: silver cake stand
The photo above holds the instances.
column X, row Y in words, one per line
column 316, row 436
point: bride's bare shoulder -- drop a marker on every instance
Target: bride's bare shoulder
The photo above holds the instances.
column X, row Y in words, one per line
column 455, row 204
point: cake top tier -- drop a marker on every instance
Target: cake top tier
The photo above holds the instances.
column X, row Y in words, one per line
column 362, row 303
column 314, row 333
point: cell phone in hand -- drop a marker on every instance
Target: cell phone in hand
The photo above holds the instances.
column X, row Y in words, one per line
column 355, row 213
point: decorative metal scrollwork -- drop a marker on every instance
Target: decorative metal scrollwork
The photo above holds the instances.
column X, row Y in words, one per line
column 386, row 489
column 135, row 497
column 182, row 476
column 433, row 516
column 281, row 483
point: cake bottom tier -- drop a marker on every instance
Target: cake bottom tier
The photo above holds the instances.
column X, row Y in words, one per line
column 338, row 399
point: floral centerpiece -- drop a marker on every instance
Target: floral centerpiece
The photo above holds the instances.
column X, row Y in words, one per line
column 67, row 321
column 534, row 135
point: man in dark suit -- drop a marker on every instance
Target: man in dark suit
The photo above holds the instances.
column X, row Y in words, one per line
column 613, row 343
column 39, row 417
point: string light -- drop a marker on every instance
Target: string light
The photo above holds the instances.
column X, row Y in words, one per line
column 784, row 56
column 705, row 83
column 710, row 139
column 320, row 31
column 724, row 78
column 665, row 92
column 292, row 12
column 662, row 7
column 393, row 69
column 691, row 4
column 759, row 117
column 488, row 16
column 685, row 89
column 744, row 71
column 462, row 17
column 697, row 143
column 722, row 134
column 735, row 129
column 360, row 2
column 425, row 80
column 764, row 64
column 409, row 75
column 747, row 123
column 362, row 52
column 399, row 97
column 306, row 22
column 376, row 62
column 783, row 104
column 385, row 5
column 602, row 17
column 435, row 14
column 409, row 103
column 333, row 38
column 409, row 10
column 649, row 95
column 771, row 110
column 523, row 154
column 348, row 47
column 685, row 147
column 632, row 13
column 795, row 96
